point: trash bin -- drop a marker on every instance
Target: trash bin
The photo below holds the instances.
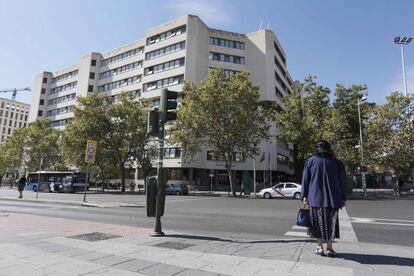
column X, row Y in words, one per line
column 151, row 191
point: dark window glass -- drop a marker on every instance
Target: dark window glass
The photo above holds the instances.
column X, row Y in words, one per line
column 43, row 91
column 93, row 62
column 41, row 102
column 40, row 113
column 90, row 88
column 44, row 80
column 92, row 75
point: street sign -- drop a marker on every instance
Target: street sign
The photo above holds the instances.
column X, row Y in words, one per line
column 90, row 151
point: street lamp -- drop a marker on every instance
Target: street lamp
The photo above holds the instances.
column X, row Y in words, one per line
column 403, row 41
column 364, row 183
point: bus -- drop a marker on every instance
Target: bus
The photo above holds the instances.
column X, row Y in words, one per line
column 55, row 181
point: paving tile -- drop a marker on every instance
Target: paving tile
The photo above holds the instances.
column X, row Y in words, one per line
column 135, row 265
column 73, row 252
column 112, row 260
column 76, row 267
column 115, row 272
column 162, row 270
column 193, row 272
column 91, row 256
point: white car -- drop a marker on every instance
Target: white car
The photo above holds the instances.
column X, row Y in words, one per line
column 288, row 189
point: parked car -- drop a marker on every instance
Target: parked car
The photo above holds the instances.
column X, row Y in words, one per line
column 176, row 189
column 288, row 189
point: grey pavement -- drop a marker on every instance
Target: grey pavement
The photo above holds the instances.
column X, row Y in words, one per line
column 39, row 245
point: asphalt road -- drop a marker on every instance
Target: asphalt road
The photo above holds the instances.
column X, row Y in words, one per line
column 374, row 221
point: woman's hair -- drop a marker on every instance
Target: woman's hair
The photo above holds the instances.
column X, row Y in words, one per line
column 323, row 149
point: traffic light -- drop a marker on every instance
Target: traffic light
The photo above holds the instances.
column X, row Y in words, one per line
column 168, row 103
column 153, row 125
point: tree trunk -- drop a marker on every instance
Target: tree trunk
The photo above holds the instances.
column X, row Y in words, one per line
column 122, row 178
column 299, row 163
column 232, row 191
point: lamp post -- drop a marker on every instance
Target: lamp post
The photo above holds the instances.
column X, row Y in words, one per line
column 403, row 41
column 364, row 183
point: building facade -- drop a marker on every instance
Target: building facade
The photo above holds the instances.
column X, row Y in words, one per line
column 182, row 49
column 13, row 114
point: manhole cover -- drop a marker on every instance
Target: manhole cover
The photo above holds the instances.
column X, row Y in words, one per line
column 95, row 236
column 174, row 245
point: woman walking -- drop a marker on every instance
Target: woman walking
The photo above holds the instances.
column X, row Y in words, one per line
column 324, row 190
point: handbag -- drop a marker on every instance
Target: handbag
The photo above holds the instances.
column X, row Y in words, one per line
column 303, row 218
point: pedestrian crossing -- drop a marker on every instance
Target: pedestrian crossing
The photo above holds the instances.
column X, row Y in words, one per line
column 297, row 231
column 347, row 232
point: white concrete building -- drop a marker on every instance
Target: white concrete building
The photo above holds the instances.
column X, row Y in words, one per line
column 13, row 114
column 182, row 49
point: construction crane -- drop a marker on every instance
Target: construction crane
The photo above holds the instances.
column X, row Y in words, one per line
column 15, row 90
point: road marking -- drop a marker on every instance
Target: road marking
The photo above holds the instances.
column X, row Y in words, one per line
column 297, row 234
column 393, row 222
column 347, row 232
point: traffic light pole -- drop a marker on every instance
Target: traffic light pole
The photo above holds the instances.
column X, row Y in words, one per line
column 159, row 209
column 168, row 102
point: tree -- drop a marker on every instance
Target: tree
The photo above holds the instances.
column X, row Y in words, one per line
column 390, row 136
column 120, row 130
column 42, row 142
column 12, row 151
column 221, row 114
column 343, row 130
column 304, row 119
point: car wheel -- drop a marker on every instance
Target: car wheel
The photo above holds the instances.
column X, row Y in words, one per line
column 267, row 196
column 178, row 193
column 297, row 195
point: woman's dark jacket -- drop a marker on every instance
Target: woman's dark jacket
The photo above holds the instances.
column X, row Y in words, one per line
column 324, row 182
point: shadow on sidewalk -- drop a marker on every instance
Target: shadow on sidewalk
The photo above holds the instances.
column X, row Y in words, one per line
column 210, row 238
column 376, row 259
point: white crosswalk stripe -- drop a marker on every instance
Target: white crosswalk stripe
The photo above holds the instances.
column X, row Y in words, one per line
column 346, row 230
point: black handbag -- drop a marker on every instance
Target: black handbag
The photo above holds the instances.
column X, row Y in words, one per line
column 303, row 218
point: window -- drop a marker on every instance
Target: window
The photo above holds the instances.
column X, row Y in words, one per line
column 280, row 67
column 58, row 111
column 122, row 56
column 90, row 88
column 10, row 123
column 227, row 43
column 41, row 102
column 280, row 81
column 2, row 104
column 21, row 116
column 93, row 62
column 166, row 35
column 282, row 159
column 91, row 75
column 166, row 50
column 120, row 70
column 278, row 93
column 279, row 52
column 39, row 113
column 170, row 153
column 162, row 83
column 8, row 130
column 43, row 91
column 288, row 185
column 15, row 123
column 44, row 80
column 62, row 99
column 64, row 87
column 164, row 66
column 11, row 115
column 120, row 83
column 20, row 124
column 226, row 58
column 2, row 138
column 25, row 117
column 65, row 76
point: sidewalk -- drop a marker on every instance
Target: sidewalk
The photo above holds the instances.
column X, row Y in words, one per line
column 36, row 245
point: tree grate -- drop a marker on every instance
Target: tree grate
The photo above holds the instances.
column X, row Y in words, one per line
column 174, row 245
column 95, row 236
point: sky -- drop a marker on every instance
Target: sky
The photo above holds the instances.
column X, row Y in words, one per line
column 339, row 41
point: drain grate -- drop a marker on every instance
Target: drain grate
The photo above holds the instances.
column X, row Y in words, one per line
column 95, row 236
column 174, row 245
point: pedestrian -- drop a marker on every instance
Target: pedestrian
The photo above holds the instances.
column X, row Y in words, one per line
column 324, row 190
column 242, row 188
column 20, row 186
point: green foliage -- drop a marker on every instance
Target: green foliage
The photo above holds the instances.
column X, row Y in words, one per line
column 304, row 119
column 391, row 134
column 12, row 151
column 42, row 141
column 343, row 129
column 119, row 129
column 221, row 114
